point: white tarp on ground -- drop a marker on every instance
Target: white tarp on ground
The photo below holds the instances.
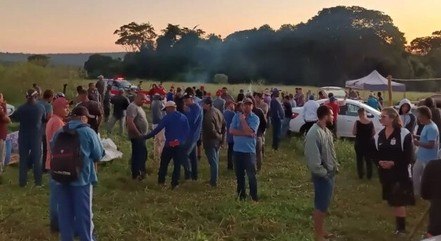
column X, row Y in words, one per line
column 109, row 146
column 374, row 82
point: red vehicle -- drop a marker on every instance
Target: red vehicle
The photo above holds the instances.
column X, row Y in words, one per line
column 120, row 83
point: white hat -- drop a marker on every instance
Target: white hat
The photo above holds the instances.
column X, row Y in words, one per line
column 169, row 104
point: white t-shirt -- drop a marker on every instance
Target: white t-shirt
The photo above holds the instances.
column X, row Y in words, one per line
column 310, row 110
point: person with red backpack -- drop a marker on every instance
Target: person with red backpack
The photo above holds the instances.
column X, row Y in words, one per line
column 75, row 150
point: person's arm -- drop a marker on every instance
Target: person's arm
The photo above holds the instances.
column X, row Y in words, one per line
column 96, row 147
column 432, row 137
column 160, row 126
column 313, row 158
column 409, row 154
column 234, row 127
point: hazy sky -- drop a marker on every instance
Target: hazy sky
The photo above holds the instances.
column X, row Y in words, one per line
column 54, row 26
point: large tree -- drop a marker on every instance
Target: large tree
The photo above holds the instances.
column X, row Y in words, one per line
column 39, row 59
column 134, row 36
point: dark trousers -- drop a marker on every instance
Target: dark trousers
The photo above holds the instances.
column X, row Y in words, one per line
column 308, row 125
column 435, row 217
column 246, row 163
column 139, row 157
column 43, row 159
column 190, row 163
column 230, row 156
column 177, row 154
column 106, row 113
column 361, row 151
column 277, row 132
column 30, row 156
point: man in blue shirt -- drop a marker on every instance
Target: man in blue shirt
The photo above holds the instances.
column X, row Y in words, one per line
column 31, row 116
column 75, row 199
column 193, row 112
column 427, row 146
column 277, row 114
column 373, row 102
column 228, row 115
column 244, row 130
column 177, row 131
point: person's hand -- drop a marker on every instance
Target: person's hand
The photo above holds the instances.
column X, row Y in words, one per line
column 242, row 117
column 416, row 142
column 386, row 164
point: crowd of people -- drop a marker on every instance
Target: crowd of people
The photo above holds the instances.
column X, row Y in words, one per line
column 187, row 121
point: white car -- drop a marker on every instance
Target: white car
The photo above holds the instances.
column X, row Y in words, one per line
column 345, row 120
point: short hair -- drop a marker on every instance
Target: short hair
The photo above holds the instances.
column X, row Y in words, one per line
column 330, row 95
column 425, row 111
column 361, row 111
column 48, row 94
column 82, row 92
column 323, row 111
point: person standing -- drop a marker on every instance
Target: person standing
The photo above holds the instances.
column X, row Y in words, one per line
column 260, row 133
column 137, row 127
column 93, row 94
column 277, row 115
column 194, row 115
column 74, row 199
column 373, row 102
column 219, row 102
column 213, row 136
column 436, row 112
column 363, row 131
column 101, row 87
column 408, row 119
column 31, row 117
column 393, row 153
column 428, row 145
column 94, row 109
column 177, row 131
column 244, row 130
column 323, row 165
column 430, row 191
column 228, row 116
column 120, row 104
column 287, row 108
column 106, row 103
column 335, row 106
column 380, row 99
column 240, row 96
column 55, row 123
column 4, row 122
column 157, row 107
column 46, row 101
column 310, row 113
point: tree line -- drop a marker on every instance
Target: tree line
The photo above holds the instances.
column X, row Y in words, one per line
column 337, row 44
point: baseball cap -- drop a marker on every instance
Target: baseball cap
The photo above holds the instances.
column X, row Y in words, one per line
column 275, row 91
column 81, row 111
column 247, row 101
column 31, row 93
column 169, row 104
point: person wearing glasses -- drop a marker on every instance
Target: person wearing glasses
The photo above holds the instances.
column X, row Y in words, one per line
column 393, row 153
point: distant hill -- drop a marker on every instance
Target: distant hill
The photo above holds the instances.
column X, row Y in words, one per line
column 57, row 59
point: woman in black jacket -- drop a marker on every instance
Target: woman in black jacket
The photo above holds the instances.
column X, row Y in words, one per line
column 393, row 153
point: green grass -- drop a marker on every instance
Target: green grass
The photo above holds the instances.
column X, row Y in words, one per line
column 132, row 210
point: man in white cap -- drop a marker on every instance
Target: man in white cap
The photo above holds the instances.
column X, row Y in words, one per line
column 137, row 127
column 177, row 131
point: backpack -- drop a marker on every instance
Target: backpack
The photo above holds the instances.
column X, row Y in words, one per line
column 66, row 159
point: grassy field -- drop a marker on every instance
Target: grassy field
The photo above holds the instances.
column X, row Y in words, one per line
column 132, row 210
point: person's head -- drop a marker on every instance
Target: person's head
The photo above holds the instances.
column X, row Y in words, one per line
column 140, row 99
column 48, row 95
column 424, row 114
column 188, row 99
column 224, row 90
column 34, row 85
column 82, row 95
column 429, row 102
column 330, row 95
column 31, row 96
column 80, row 113
column 404, row 108
column 311, row 97
column 390, row 118
column 321, row 95
column 239, row 107
column 207, row 103
column 276, row 93
column 92, row 86
column 324, row 114
column 79, row 87
column 247, row 106
column 202, row 87
column 230, row 105
column 286, row 98
column 178, row 90
column 291, row 96
column 361, row 113
column 61, row 107
column 258, row 97
column 379, row 94
column 170, row 106
column 241, row 91
column 100, row 77
column 332, row 99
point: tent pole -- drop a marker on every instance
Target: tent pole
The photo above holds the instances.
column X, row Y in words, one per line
column 389, row 84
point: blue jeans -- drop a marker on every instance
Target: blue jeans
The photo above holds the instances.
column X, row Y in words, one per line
column 277, row 129
column 323, row 189
column 190, row 162
column 139, row 157
column 245, row 163
column 212, row 153
column 178, row 155
column 53, row 205
column 30, row 155
column 75, row 212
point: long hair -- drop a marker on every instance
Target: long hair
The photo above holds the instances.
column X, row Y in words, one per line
column 393, row 114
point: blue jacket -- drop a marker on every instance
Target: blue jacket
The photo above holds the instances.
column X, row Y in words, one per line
column 91, row 149
column 276, row 110
column 176, row 128
column 194, row 116
column 228, row 115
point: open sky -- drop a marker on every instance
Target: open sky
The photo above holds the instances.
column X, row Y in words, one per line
column 71, row 26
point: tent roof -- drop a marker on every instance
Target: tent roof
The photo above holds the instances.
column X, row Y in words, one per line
column 374, row 82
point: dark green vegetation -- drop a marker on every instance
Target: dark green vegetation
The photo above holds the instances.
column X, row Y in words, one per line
column 132, row 210
column 337, row 44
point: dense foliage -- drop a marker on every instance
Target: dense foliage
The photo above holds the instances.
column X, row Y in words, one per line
column 337, row 44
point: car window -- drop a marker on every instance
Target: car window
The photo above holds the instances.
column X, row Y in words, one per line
column 352, row 110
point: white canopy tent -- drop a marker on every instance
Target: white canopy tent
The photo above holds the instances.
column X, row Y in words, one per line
column 374, row 82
